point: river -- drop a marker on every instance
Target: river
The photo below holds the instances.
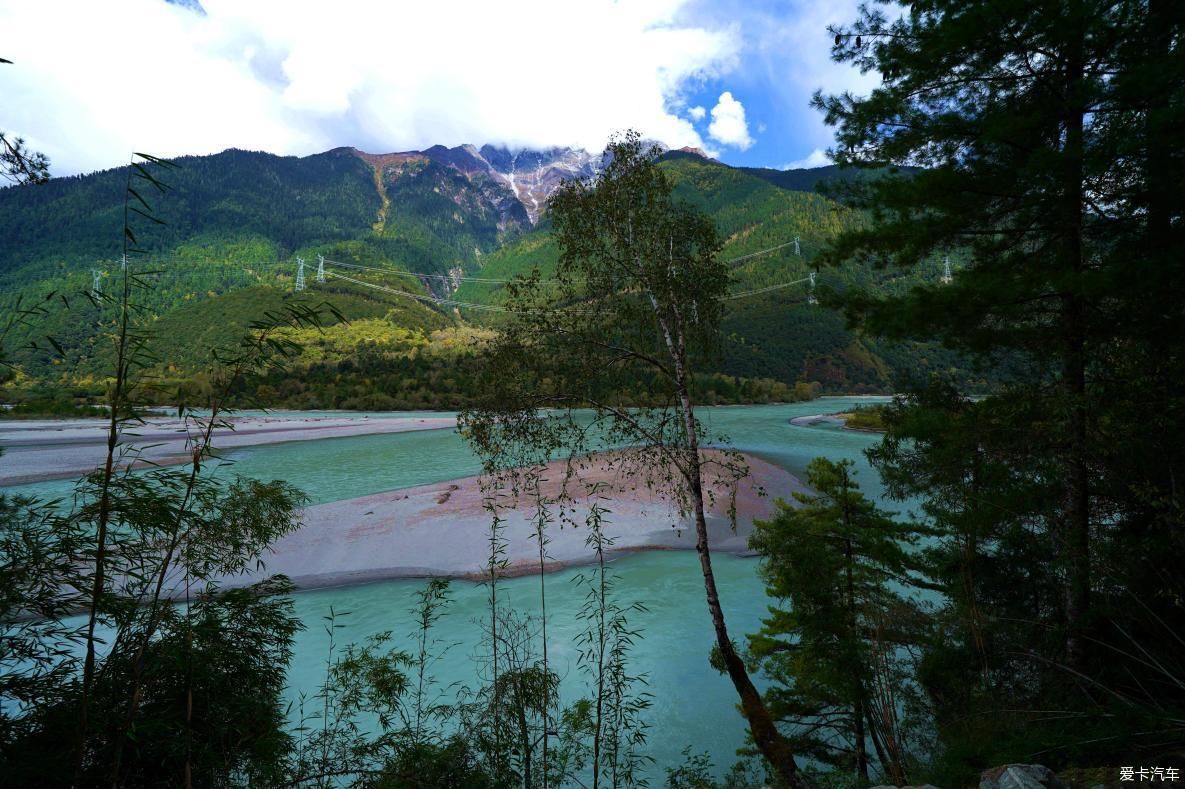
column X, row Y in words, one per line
column 693, row 706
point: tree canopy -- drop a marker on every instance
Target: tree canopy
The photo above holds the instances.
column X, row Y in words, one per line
column 1048, row 135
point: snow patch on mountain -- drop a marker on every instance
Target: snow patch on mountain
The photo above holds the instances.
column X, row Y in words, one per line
column 530, row 176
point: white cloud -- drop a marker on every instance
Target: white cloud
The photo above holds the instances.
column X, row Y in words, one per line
column 296, row 78
column 728, row 125
column 816, row 158
column 787, row 57
column 697, row 113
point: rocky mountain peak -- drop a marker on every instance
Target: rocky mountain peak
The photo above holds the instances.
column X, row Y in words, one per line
column 696, row 152
column 530, row 175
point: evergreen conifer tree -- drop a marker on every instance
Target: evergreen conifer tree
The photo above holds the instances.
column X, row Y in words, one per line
column 1047, row 135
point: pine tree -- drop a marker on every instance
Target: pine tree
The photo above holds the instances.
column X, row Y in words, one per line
column 836, row 643
column 1048, row 135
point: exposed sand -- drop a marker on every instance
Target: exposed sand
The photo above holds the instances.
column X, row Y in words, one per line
column 36, row 450
column 440, row 529
column 443, row 530
column 839, row 418
column 815, row 419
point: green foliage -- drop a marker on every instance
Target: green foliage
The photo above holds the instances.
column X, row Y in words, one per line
column 773, row 335
column 866, row 418
column 694, row 773
column 1048, row 137
column 637, row 293
column 290, row 201
column 57, row 408
column 198, row 684
column 429, row 766
column 619, row 727
column 211, row 700
column 19, row 165
column 439, row 218
column 837, row 646
column 238, row 218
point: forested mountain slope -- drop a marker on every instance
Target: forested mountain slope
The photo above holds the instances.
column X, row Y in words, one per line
column 420, row 224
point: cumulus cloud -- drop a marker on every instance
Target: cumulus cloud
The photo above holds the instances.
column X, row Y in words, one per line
column 297, row 78
column 728, row 125
column 787, row 57
column 697, row 113
column 816, row 158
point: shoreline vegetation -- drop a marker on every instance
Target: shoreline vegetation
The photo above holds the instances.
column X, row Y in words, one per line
column 451, row 382
column 862, row 419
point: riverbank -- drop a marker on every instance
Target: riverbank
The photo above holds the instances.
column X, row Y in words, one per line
column 443, row 529
column 840, row 419
column 45, row 449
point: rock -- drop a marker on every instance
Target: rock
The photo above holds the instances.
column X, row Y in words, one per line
column 1020, row 776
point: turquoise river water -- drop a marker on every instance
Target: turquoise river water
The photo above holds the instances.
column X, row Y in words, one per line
column 692, row 704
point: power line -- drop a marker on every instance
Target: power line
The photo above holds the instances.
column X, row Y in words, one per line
column 437, row 302
column 503, row 281
column 490, row 280
column 761, row 252
column 769, row 288
column 213, row 263
column 498, row 308
column 414, row 275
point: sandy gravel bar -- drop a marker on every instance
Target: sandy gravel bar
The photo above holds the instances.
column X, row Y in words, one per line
column 36, row 450
column 815, row 419
column 443, row 530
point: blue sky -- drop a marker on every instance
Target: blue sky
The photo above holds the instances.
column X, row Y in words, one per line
column 783, row 57
column 733, row 77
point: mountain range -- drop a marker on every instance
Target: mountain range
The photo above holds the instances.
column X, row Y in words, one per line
column 423, row 226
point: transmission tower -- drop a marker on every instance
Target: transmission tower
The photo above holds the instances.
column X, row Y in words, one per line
column 96, row 285
column 123, row 262
column 946, row 275
column 810, row 294
column 797, row 248
column 320, row 268
column 299, row 274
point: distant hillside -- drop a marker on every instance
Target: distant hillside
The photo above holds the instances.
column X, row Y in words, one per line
column 776, row 334
column 807, row 180
column 416, row 226
column 796, row 180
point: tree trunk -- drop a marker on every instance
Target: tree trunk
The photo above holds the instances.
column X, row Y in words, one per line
column 890, row 765
column 524, row 733
column 769, row 740
column 861, row 749
column 1075, row 537
column 859, row 702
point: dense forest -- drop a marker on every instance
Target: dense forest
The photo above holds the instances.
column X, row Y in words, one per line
column 1028, row 609
column 429, row 238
